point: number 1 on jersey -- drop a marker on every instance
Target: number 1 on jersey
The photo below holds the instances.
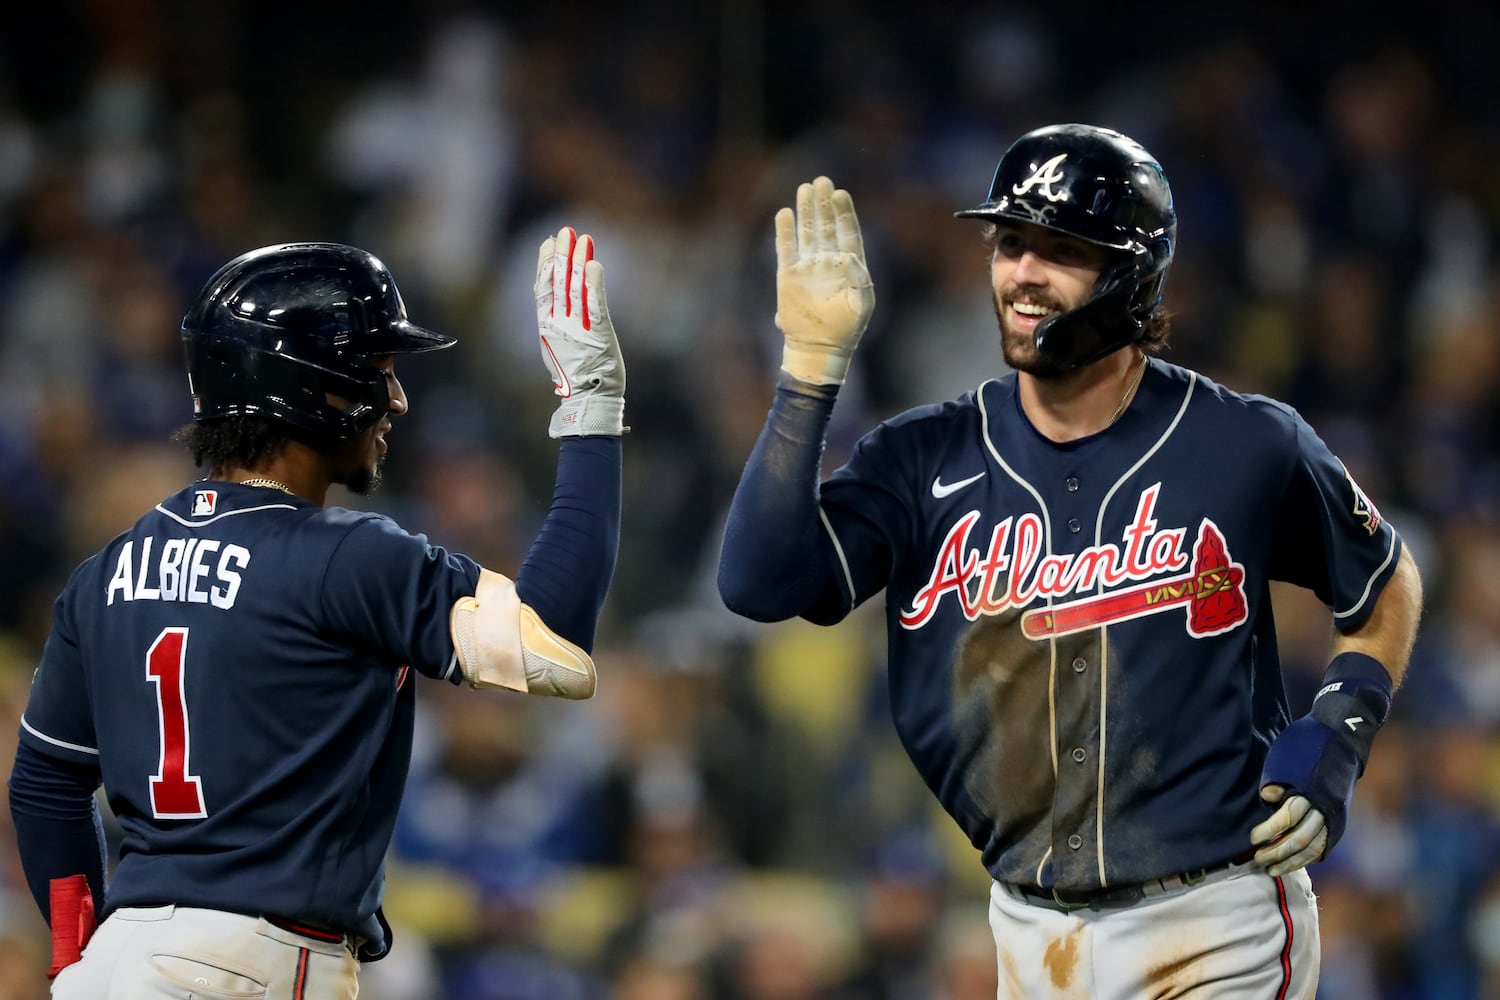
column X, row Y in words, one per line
column 175, row 794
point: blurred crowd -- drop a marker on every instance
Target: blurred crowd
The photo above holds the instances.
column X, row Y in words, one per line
column 731, row 817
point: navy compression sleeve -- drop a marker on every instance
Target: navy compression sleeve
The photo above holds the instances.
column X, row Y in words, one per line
column 58, row 832
column 768, row 569
column 566, row 574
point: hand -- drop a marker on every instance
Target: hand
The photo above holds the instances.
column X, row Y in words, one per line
column 1294, row 836
column 824, row 295
column 579, row 344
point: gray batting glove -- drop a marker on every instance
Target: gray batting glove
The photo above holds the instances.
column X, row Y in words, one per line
column 824, row 295
column 1293, row 837
column 579, row 345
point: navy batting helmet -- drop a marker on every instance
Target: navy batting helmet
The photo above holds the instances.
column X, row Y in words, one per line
column 278, row 331
column 1102, row 187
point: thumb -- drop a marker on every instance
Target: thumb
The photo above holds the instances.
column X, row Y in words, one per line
column 1272, row 793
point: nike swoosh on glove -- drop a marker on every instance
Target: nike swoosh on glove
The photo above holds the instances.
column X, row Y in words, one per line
column 578, row 340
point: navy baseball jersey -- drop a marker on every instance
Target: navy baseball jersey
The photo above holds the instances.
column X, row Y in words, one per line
column 1083, row 659
column 237, row 664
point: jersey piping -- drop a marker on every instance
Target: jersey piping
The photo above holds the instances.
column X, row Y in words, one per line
column 1370, row 583
column 56, row 742
column 228, row 513
column 1187, row 397
column 839, row 551
column 984, row 422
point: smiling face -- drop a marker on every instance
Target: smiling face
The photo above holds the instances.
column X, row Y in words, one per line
column 1036, row 272
column 356, row 463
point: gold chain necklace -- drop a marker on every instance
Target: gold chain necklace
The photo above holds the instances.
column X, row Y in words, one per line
column 268, row 483
column 1139, row 371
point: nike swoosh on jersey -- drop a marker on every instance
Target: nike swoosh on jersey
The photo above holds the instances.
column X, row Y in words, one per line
column 941, row 489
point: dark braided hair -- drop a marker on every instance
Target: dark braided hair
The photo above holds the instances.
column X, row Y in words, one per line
column 238, row 442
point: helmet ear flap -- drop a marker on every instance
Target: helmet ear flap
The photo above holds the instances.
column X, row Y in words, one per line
column 1115, row 314
column 231, row 378
column 1103, row 324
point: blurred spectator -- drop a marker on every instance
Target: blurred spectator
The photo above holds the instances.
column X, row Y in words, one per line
column 733, row 818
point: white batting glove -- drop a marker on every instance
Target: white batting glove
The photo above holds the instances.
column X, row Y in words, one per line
column 1293, row 836
column 579, row 344
column 824, row 295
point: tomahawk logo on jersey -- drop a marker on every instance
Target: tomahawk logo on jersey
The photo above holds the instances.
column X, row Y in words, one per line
column 1013, row 573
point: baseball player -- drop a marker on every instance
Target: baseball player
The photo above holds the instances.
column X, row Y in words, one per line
column 1076, row 559
column 238, row 667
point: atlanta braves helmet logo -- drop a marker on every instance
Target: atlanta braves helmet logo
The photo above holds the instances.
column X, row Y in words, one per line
column 1042, row 179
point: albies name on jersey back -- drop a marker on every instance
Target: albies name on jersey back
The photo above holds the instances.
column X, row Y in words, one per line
column 180, row 572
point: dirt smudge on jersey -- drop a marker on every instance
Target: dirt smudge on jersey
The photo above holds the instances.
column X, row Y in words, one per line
column 1003, row 710
column 1134, row 769
column 1003, row 722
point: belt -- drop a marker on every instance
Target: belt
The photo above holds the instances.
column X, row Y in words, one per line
column 1065, row 901
column 312, row 929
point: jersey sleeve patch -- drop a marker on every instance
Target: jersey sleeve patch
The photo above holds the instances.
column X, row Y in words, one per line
column 1330, row 537
column 1365, row 513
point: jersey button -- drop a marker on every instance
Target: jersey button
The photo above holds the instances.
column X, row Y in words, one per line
column 1071, row 483
column 1080, row 754
column 1074, row 525
column 1075, row 842
column 1080, row 665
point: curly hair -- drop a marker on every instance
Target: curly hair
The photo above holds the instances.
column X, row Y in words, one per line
column 239, row 442
column 1158, row 330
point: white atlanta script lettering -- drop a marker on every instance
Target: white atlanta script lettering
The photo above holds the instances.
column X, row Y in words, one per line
column 1015, row 550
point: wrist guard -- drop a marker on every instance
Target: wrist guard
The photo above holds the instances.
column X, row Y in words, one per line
column 1322, row 754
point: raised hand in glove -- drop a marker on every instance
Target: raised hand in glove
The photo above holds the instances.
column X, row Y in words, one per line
column 578, row 340
column 824, row 295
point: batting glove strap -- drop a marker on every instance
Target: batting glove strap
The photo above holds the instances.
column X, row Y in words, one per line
column 581, row 415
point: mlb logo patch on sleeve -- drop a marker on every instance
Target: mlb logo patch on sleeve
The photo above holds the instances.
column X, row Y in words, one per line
column 1363, row 510
column 205, row 502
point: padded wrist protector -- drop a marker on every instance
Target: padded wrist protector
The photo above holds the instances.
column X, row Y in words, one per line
column 1354, row 701
column 1323, row 754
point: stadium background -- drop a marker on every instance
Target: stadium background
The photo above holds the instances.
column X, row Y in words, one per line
column 731, row 817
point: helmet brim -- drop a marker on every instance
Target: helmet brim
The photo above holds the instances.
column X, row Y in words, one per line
column 403, row 337
column 1099, row 234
